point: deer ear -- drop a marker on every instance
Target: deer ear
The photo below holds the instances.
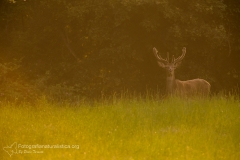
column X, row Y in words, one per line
column 161, row 64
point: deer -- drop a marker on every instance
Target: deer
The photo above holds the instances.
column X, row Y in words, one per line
column 188, row 88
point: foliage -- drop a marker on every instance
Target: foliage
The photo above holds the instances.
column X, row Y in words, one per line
column 97, row 47
column 13, row 85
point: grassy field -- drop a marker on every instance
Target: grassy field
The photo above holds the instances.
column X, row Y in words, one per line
column 124, row 129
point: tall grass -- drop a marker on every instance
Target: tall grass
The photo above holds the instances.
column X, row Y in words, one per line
column 125, row 128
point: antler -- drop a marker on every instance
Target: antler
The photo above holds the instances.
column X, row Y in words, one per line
column 180, row 57
column 155, row 51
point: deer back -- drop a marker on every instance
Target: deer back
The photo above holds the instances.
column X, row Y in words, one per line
column 192, row 87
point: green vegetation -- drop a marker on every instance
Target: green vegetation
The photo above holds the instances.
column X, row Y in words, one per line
column 66, row 49
column 125, row 128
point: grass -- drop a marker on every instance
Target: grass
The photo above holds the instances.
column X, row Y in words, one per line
column 124, row 128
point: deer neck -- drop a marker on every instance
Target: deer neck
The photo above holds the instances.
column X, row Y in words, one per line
column 170, row 83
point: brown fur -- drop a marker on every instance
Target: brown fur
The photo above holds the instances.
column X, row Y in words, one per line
column 192, row 87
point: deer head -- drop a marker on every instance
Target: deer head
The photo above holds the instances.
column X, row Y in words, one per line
column 166, row 64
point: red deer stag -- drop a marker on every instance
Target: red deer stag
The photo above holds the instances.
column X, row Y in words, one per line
column 177, row 87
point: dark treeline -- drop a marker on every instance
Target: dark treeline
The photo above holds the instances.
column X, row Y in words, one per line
column 87, row 48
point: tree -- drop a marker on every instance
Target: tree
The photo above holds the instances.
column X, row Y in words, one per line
column 97, row 47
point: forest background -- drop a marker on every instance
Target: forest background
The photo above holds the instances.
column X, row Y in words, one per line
column 70, row 49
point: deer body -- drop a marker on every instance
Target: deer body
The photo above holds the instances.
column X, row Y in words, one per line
column 192, row 87
column 182, row 88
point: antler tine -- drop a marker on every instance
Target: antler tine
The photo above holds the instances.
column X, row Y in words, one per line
column 180, row 57
column 167, row 56
column 173, row 59
column 155, row 51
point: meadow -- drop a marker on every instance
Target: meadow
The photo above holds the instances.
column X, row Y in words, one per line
column 122, row 128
